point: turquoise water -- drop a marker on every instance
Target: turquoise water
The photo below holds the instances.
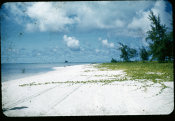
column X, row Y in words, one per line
column 13, row 71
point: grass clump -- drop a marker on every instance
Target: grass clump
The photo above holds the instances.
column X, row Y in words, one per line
column 87, row 70
column 73, row 82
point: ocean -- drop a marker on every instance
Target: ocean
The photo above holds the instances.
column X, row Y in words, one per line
column 11, row 71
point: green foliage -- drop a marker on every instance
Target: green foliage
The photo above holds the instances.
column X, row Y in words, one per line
column 152, row 71
column 161, row 42
column 105, row 81
column 126, row 52
column 144, row 54
column 113, row 61
column 87, row 70
column 170, row 46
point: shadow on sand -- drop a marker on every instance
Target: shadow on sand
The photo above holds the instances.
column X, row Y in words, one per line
column 18, row 108
column 15, row 108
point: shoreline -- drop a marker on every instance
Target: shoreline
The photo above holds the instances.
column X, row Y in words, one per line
column 73, row 91
column 28, row 75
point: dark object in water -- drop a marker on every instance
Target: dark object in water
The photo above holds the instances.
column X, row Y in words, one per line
column 23, row 70
column 66, row 61
column 93, row 63
column 20, row 33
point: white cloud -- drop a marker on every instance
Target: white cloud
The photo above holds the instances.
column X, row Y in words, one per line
column 38, row 54
column 55, row 16
column 97, row 50
column 59, row 16
column 99, row 38
column 107, row 44
column 30, row 27
column 96, row 15
column 119, row 23
column 54, row 50
column 165, row 17
column 49, row 16
column 71, row 42
column 141, row 22
column 15, row 8
column 108, row 15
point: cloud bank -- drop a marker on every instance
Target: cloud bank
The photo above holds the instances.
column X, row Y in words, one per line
column 117, row 15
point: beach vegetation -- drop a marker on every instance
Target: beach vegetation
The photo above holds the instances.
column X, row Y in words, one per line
column 155, row 72
column 87, row 70
column 138, row 70
column 160, row 41
column 126, row 52
column 144, row 54
column 105, row 81
column 113, row 60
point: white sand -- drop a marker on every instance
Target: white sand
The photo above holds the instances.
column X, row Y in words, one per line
column 68, row 99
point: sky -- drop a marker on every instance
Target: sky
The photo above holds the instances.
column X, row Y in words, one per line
column 82, row 31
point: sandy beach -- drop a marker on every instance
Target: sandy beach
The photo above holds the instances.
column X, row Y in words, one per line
column 77, row 91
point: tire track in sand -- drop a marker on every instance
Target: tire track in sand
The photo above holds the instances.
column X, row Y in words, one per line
column 61, row 99
column 27, row 98
column 31, row 97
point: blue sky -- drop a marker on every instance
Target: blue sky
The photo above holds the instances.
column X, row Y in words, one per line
column 33, row 32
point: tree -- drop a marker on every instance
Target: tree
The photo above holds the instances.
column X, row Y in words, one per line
column 170, row 46
column 113, row 61
column 126, row 52
column 160, row 46
column 144, row 54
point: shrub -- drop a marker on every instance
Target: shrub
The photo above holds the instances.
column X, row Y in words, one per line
column 113, row 61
